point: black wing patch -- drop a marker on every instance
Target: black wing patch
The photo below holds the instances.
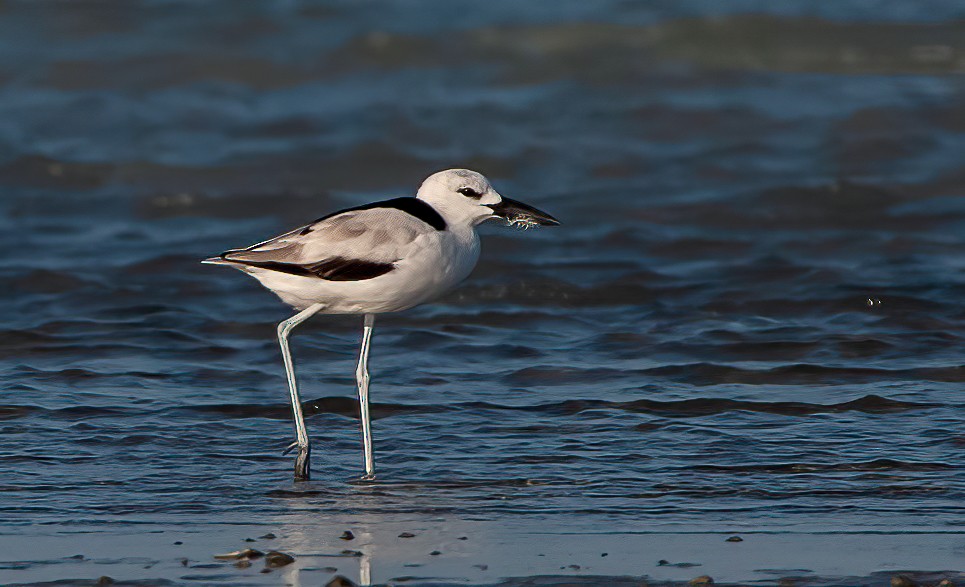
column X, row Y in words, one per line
column 333, row 269
column 413, row 206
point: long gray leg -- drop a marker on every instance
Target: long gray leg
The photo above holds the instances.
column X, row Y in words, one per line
column 302, row 464
column 362, row 377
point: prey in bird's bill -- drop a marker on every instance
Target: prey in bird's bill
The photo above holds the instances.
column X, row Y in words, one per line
column 381, row 257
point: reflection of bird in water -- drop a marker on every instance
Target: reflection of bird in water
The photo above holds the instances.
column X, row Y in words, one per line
column 380, row 257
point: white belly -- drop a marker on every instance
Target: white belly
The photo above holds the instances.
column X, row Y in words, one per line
column 436, row 263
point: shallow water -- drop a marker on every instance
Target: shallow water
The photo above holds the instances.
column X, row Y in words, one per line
column 751, row 316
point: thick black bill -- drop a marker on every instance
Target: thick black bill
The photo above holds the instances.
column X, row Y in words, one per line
column 519, row 213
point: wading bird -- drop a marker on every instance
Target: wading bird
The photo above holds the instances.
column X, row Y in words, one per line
column 380, row 257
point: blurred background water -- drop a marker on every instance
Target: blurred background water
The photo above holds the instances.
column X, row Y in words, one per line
column 752, row 315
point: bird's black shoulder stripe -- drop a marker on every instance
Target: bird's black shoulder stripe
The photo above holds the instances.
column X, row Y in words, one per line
column 332, row 269
column 417, row 208
column 412, row 206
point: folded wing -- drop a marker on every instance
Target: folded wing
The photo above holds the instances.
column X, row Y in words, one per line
column 351, row 245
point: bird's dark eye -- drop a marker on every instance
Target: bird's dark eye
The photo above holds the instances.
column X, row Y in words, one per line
column 469, row 193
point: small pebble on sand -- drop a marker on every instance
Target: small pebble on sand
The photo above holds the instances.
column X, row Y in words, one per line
column 435, row 553
column 701, row 581
column 240, row 554
column 735, row 539
column 347, row 535
column 407, row 535
column 268, row 536
column 463, row 538
column 481, row 567
column 178, row 543
column 249, row 540
column 604, row 554
column 340, row 581
column 666, row 563
column 275, row 559
column 347, row 552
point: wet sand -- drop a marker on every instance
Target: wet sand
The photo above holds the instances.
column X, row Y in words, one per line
column 442, row 551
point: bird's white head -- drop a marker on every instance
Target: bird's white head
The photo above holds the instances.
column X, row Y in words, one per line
column 465, row 197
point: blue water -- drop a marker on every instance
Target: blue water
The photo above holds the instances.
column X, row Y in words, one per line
column 752, row 314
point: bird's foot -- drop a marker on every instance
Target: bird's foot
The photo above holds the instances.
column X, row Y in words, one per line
column 368, row 477
column 302, row 460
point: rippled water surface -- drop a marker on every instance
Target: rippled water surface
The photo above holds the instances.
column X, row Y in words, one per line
column 752, row 314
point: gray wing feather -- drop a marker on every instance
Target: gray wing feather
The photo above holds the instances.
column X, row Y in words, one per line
column 376, row 235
